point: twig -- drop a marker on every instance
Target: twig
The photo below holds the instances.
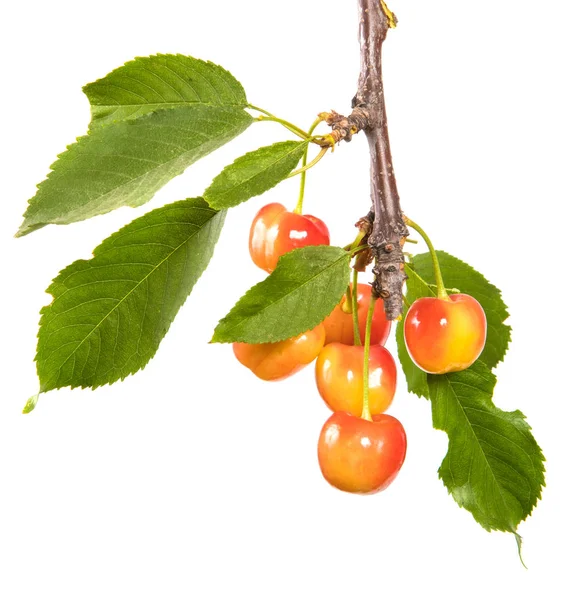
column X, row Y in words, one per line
column 369, row 114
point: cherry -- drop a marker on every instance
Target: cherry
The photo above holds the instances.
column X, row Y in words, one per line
column 360, row 456
column 279, row 360
column 339, row 324
column 275, row 231
column 445, row 334
column 339, row 378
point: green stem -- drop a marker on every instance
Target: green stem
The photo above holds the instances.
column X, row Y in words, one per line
column 359, row 249
column 356, row 242
column 441, row 291
column 366, row 413
column 298, row 209
column 452, row 290
column 352, row 249
column 310, row 164
column 289, row 126
column 355, row 311
column 261, row 110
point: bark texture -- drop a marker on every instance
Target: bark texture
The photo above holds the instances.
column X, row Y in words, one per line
column 369, row 115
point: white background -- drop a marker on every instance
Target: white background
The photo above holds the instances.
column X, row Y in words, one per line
column 193, row 479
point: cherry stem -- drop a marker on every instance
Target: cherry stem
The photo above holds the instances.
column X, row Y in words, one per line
column 298, row 209
column 441, row 291
column 366, row 413
column 351, row 248
column 355, row 311
column 311, row 164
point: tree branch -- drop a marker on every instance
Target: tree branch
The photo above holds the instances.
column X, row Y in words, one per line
column 369, row 115
column 389, row 229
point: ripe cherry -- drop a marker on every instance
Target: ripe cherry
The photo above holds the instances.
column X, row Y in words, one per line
column 445, row 334
column 339, row 324
column 360, row 456
column 339, row 378
column 276, row 231
column 279, row 360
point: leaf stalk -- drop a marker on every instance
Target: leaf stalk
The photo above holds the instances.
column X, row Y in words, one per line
column 311, row 164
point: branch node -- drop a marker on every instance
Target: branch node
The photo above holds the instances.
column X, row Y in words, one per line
column 344, row 128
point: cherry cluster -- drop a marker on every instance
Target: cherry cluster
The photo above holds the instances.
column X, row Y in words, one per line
column 360, row 449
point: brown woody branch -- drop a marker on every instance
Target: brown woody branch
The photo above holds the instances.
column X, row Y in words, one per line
column 369, row 115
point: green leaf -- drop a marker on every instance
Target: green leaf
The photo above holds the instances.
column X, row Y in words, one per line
column 416, row 286
column 126, row 163
column 493, row 467
column 149, row 83
column 304, row 289
column 254, row 173
column 109, row 313
column 457, row 274
column 416, row 379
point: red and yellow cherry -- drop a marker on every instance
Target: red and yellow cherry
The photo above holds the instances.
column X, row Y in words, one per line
column 279, row 360
column 339, row 324
column 276, row 231
column 339, row 378
column 360, row 456
column 445, row 334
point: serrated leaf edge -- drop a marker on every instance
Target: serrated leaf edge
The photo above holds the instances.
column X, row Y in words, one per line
column 23, row 231
column 215, row 338
column 523, row 419
column 219, row 213
column 87, row 88
column 244, row 158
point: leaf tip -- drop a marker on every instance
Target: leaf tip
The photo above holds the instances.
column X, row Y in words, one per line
column 215, row 339
column 31, row 403
column 22, row 230
column 27, row 228
column 519, row 541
